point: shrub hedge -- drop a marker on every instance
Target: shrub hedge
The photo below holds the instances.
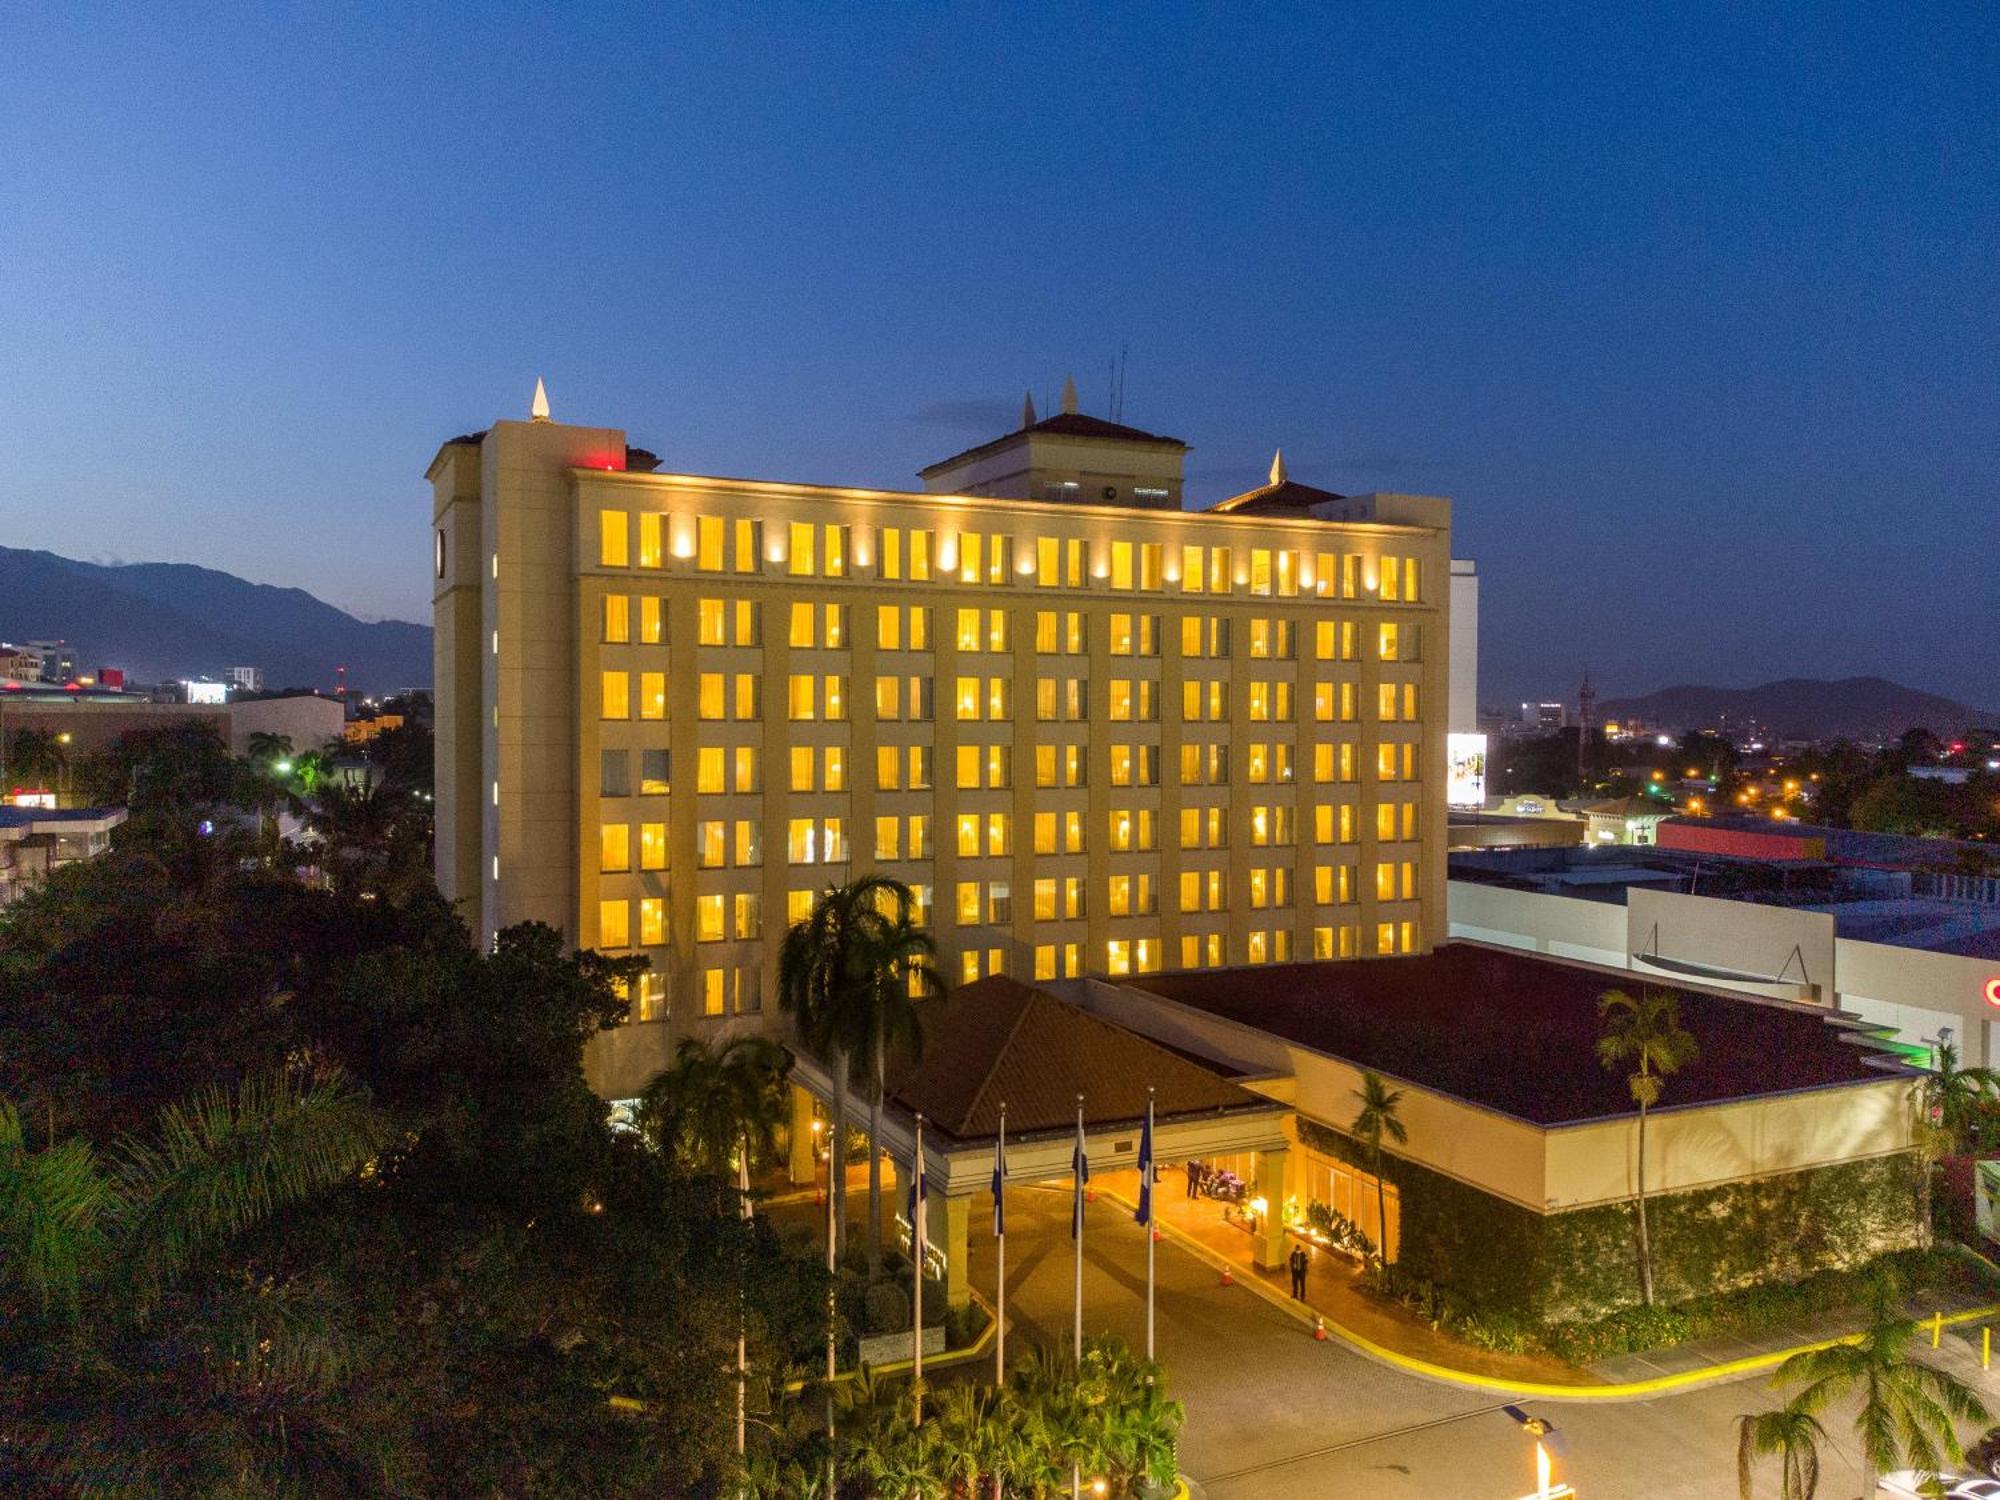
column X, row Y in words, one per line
column 1505, row 1263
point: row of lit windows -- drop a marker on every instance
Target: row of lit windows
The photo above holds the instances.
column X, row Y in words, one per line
column 826, row 550
column 810, row 696
column 736, row 622
column 989, row 834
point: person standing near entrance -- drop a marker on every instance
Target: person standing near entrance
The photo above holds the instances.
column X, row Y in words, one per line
column 1194, row 1178
column 1299, row 1263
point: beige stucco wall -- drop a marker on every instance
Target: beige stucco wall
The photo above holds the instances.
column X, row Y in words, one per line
column 1565, row 926
column 1737, row 935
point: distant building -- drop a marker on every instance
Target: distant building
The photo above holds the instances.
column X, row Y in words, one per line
column 1544, row 718
column 1624, row 820
column 19, row 663
column 35, row 840
column 246, row 679
column 94, row 717
column 361, row 731
column 58, row 660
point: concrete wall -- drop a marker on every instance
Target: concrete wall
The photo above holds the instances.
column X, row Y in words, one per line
column 1771, row 942
column 307, row 722
column 1464, row 712
column 1913, row 990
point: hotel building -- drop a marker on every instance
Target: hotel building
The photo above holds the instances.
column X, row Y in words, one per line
column 1097, row 733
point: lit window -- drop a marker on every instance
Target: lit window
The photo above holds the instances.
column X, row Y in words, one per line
column 708, row 919
column 617, row 619
column 711, row 843
column 652, row 846
column 614, row 924
column 614, row 539
column 652, row 922
column 650, row 552
column 652, row 695
column 709, row 695
column 617, row 692
column 801, row 563
column 614, row 848
column 708, row 544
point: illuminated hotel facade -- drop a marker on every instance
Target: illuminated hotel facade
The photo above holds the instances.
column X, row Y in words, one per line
column 1098, row 734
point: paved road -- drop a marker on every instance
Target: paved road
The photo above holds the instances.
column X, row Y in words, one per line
column 1274, row 1415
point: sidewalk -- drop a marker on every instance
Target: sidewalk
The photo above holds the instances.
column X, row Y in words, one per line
column 1390, row 1333
column 1334, row 1292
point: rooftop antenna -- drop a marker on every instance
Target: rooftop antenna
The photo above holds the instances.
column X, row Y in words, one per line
column 538, row 411
column 1118, row 398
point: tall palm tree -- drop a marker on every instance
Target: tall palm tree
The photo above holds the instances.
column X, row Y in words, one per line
column 1953, row 1094
column 845, row 974
column 1909, row 1410
column 1791, row 1433
column 1376, row 1122
column 1646, row 1032
column 713, row 1102
column 899, row 965
column 266, row 748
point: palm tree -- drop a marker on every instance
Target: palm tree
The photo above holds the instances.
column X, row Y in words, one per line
column 266, row 748
column 840, row 974
column 1377, row 1121
column 1645, row 1031
column 38, row 755
column 1909, row 1410
column 1953, row 1094
column 711, row 1103
column 95, row 1255
column 1794, row 1435
column 898, row 963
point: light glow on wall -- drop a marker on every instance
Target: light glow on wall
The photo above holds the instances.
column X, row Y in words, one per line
column 1993, row 992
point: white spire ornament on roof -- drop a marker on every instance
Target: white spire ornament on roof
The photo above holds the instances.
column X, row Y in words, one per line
column 1028, row 409
column 1069, row 395
column 1278, row 467
column 538, row 411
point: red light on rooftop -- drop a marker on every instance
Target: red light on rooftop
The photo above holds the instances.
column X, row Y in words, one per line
column 1993, row 992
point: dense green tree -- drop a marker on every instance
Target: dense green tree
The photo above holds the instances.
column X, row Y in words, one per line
column 1646, row 1033
column 715, row 1101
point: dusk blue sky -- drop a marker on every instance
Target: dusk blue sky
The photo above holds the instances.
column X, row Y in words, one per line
column 1694, row 310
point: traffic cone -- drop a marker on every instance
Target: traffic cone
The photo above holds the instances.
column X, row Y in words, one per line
column 1319, row 1328
column 1228, row 1279
column 1156, row 1234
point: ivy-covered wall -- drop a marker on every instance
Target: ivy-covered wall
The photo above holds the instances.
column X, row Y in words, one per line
column 1582, row 1263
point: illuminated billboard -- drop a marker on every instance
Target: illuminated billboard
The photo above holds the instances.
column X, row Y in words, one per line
column 1465, row 770
column 207, row 692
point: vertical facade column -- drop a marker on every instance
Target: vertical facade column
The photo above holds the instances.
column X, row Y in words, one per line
column 802, row 1167
column 1269, row 1251
column 949, row 1218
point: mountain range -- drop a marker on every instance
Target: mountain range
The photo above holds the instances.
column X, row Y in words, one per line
column 1860, row 708
column 163, row 621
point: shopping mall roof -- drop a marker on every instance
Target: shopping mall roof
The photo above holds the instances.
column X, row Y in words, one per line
column 1517, row 1032
column 997, row 1041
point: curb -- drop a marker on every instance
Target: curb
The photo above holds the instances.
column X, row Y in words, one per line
column 1627, row 1391
column 971, row 1351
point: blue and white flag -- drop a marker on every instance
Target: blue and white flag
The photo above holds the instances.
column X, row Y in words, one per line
column 999, row 1187
column 919, row 1196
column 1079, row 1165
column 1145, row 1213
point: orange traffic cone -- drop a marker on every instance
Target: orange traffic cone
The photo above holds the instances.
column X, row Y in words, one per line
column 1319, row 1328
column 1156, row 1234
column 1227, row 1278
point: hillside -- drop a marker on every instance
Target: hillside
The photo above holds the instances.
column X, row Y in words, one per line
column 161, row 621
column 1802, row 708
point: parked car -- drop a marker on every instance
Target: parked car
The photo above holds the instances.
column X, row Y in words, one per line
column 1908, row 1484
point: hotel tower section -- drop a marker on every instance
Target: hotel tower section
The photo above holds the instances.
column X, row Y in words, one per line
column 1097, row 733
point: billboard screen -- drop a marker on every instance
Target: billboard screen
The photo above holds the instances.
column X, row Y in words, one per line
column 1465, row 770
column 207, row 692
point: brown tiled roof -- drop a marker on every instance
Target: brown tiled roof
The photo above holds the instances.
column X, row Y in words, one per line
column 1287, row 498
column 997, row 1041
column 1517, row 1032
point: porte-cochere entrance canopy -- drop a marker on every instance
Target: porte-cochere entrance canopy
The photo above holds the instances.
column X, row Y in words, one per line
column 998, row 1042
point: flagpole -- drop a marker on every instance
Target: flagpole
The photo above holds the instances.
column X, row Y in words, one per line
column 1152, row 1209
column 1077, row 1176
column 742, row 1347
column 832, row 1303
column 1080, row 1166
column 919, row 1211
column 1000, row 1244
